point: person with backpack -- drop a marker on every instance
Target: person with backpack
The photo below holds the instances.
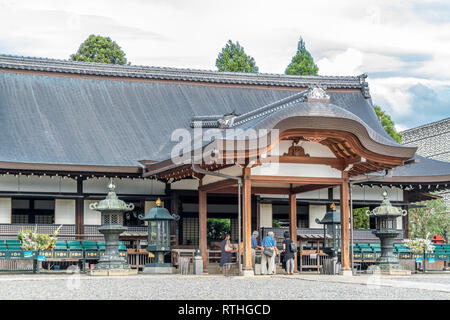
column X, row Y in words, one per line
column 289, row 253
column 269, row 251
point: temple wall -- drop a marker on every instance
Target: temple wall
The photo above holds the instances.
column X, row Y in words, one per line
column 90, row 216
column 124, row 186
column 5, row 210
column 316, row 212
column 265, row 217
column 22, row 183
column 187, row 184
column 432, row 141
column 366, row 193
column 296, row 170
column 65, row 211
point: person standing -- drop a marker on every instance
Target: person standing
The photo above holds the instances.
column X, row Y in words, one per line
column 289, row 253
column 226, row 250
column 255, row 246
column 268, row 252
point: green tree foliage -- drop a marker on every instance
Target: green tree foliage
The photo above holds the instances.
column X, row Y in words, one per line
column 387, row 123
column 360, row 219
column 430, row 220
column 99, row 49
column 232, row 58
column 217, row 228
column 302, row 63
column 276, row 223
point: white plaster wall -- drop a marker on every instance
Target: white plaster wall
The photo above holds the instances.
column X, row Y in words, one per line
column 374, row 194
column 5, row 210
column 186, row 184
column 400, row 223
column 296, row 170
column 23, row 183
column 90, row 216
column 316, row 194
column 65, row 211
column 211, row 208
column 265, row 215
column 316, row 211
column 231, row 171
column 123, row 186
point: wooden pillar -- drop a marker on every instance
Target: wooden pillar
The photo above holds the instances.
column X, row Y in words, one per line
column 293, row 222
column 202, row 214
column 247, row 221
column 405, row 219
column 345, row 240
column 79, row 208
column 175, row 209
column 258, row 213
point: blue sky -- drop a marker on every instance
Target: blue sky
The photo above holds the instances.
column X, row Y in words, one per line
column 404, row 46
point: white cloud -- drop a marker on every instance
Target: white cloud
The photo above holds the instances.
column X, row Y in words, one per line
column 347, row 63
column 346, row 38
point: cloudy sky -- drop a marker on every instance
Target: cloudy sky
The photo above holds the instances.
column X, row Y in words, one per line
column 404, row 46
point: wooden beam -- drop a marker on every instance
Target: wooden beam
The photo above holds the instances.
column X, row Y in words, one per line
column 202, row 216
column 214, row 186
column 247, row 218
column 293, row 223
column 291, row 179
column 345, row 229
column 255, row 190
column 309, row 187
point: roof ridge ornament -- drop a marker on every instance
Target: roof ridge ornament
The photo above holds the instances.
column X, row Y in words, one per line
column 364, row 86
column 227, row 120
column 317, row 93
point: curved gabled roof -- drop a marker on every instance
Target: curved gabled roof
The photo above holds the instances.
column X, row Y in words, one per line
column 112, row 121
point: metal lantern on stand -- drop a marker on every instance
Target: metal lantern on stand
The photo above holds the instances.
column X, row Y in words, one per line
column 111, row 209
column 159, row 220
column 386, row 230
column 331, row 231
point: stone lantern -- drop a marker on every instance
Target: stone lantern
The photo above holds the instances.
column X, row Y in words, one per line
column 386, row 230
column 331, row 231
column 158, row 238
column 111, row 209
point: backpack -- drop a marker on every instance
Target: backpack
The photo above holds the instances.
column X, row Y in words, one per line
column 293, row 247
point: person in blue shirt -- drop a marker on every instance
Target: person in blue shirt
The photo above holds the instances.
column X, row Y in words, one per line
column 269, row 245
column 255, row 246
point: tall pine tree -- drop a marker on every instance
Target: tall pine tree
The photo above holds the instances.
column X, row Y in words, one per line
column 387, row 124
column 232, row 58
column 302, row 63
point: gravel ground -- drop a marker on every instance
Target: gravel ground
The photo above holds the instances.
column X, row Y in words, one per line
column 83, row 287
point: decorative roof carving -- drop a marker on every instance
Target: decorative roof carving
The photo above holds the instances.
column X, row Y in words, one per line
column 316, row 93
column 296, row 151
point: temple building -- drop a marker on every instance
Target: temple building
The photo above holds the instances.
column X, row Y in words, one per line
column 289, row 145
column 432, row 141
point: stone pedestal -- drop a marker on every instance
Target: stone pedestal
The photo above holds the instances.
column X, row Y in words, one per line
column 111, row 260
column 247, row 273
column 159, row 268
column 118, row 272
